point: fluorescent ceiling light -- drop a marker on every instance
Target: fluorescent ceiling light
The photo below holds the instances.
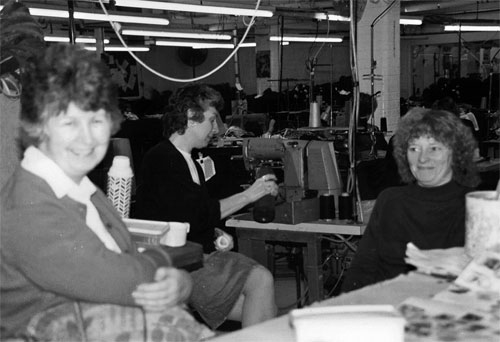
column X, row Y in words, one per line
column 306, row 39
column 120, row 48
column 56, row 13
column 330, row 17
column 410, row 21
column 336, row 17
column 222, row 46
column 200, row 45
column 472, row 28
column 170, row 6
column 81, row 40
column 173, row 34
column 121, row 18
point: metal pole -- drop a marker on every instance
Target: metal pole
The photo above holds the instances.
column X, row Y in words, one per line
column 459, row 51
column 71, row 31
column 331, row 87
column 280, row 49
column 236, row 62
column 99, row 37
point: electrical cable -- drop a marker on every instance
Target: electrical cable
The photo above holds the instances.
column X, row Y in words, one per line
column 116, row 27
column 336, row 283
column 343, row 240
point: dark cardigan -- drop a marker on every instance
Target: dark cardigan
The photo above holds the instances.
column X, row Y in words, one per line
column 166, row 192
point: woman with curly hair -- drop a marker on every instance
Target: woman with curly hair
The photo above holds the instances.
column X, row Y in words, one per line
column 434, row 153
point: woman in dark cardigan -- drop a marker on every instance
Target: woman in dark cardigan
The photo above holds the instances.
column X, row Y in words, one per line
column 172, row 188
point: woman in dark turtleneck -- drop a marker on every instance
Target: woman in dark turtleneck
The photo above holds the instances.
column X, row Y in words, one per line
column 434, row 152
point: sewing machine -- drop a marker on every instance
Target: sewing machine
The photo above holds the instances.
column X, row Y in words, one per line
column 309, row 171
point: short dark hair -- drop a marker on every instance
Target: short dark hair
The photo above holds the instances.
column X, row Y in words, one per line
column 65, row 73
column 194, row 97
column 446, row 128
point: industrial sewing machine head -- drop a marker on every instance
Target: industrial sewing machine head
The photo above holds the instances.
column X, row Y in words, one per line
column 309, row 171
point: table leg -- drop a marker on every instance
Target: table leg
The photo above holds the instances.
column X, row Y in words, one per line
column 313, row 269
column 255, row 249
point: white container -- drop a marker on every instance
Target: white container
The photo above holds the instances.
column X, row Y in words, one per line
column 120, row 178
column 176, row 236
column 348, row 323
column 147, row 232
column 482, row 222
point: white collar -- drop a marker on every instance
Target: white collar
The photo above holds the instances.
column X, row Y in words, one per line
column 36, row 162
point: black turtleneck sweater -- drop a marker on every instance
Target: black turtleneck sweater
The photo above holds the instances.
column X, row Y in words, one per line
column 429, row 217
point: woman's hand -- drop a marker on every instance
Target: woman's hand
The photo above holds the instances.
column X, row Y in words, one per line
column 170, row 288
column 265, row 185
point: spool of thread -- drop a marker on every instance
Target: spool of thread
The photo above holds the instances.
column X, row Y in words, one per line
column 314, row 115
column 222, row 241
column 345, row 206
column 327, row 207
column 383, row 124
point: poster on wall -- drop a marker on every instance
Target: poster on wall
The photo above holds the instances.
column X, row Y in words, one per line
column 124, row 72
column 263, row 64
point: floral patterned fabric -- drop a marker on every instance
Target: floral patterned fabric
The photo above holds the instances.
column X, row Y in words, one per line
column 109, row 323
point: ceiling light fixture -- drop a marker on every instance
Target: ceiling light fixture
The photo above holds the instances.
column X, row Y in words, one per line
column 120, row 48
column 410, row 21
column 330, row 17
column 305, row 39
column 222, row 46
column 174, row 34
column 472, row 28
column 81, row 40
column 170, row 6
column 202, row 45
column 58, row 13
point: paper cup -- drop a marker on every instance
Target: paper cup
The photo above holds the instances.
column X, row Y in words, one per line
column 176, row 235
column 482, row 222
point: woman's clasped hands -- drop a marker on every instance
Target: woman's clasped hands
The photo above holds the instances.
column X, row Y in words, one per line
column 170, row 288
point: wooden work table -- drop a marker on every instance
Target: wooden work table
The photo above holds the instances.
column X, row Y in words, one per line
column 253, row 237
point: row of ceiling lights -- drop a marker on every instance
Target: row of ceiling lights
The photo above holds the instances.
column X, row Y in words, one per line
column 58, row 13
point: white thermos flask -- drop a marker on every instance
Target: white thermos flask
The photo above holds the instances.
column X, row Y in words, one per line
column 120, row 177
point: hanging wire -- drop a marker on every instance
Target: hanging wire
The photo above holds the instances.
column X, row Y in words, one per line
column 116, row 28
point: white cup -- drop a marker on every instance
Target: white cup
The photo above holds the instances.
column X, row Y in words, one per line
column 482, row 222
column 176, row 235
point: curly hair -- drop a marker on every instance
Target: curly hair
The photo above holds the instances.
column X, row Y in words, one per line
column 65, row 73
column 444, row 127
column 195, row 98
